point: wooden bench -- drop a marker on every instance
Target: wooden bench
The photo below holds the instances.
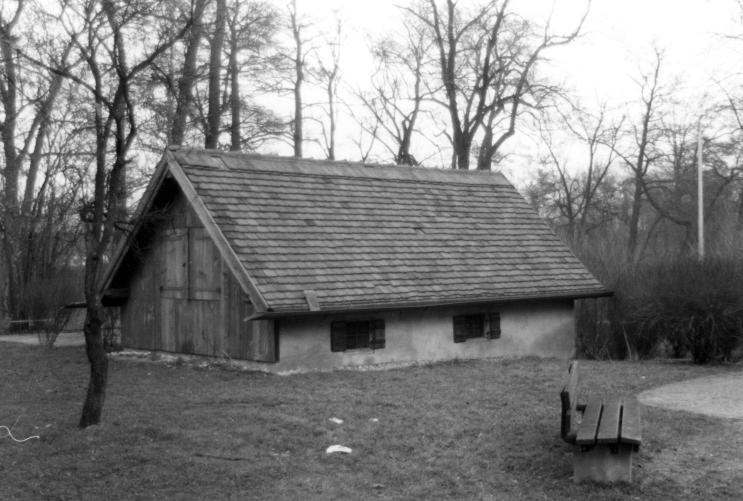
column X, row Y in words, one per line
column 608, row 432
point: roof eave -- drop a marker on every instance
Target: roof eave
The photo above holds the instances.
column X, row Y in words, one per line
column 409, row 305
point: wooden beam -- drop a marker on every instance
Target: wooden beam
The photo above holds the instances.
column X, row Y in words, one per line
column 115, row 297
column 589, row 425
column 631, row 423
column 608, row 432
column 312, row 302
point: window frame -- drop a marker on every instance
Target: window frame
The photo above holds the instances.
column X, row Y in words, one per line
column 476, row 325
column 340, row 335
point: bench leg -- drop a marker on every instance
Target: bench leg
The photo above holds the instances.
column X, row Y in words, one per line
column 602, row 464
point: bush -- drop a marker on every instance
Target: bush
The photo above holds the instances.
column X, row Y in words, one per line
column 595, row 337
column 691, row 306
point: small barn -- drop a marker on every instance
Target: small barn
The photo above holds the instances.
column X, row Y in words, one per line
column 306, row 264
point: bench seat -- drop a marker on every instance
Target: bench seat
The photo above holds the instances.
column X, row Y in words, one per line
column 610, row 421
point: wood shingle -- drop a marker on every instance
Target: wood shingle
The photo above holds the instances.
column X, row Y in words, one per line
column 365, row 237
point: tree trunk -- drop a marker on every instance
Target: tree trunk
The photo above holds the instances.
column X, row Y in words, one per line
column 188, row 75
column 298, row 135
column 215, row 71
column 331, row 115
column 235, row 94
column 634, row 222
column 462, row 147
column 403, row 156
column 98, row 230
column 95, row 396
column 11, row 172
column 485, row 156
column 9, row 97
column 15, row 290
column 298, row 118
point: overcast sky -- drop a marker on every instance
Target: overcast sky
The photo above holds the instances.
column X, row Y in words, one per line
column 604, row 65
column 617, row 36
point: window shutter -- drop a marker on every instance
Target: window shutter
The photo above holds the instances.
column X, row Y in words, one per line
column 460, row 328
column 493, row 331
column 338, row 336
column 376, row 341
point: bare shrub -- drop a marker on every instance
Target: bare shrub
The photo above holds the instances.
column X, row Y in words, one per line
column 44, row 300
column 111, row 330
column 48, row 329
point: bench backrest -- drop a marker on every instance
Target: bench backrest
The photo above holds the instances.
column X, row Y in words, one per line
column 569, row 398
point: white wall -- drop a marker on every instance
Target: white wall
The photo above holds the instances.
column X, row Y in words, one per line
column 543, row 329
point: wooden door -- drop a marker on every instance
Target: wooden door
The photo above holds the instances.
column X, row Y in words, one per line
column 202, row 307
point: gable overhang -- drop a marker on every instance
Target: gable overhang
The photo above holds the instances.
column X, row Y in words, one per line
column 125, row 243
column 169, row 167
column 411, row 305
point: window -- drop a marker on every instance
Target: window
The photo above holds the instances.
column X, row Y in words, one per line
column 485, row 325
column 357, row 334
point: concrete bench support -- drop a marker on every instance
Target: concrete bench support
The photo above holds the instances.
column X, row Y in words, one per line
column 603, row 463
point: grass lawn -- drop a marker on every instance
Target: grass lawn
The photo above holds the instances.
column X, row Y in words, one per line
column 468, row 430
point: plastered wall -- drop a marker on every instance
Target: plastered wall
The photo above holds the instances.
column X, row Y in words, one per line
column 543, row 329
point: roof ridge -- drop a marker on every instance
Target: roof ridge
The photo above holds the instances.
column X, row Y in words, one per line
column 464, row 182
column 475, row 173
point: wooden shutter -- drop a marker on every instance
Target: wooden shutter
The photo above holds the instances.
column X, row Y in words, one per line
column 376, row 334
column 338, row 336
column 493, row 328
column 460, row 328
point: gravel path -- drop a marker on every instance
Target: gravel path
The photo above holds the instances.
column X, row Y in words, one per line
column 720, row 396
column 64, row 339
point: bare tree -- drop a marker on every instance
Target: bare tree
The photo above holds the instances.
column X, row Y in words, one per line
column 486, row 61
column 299, row 61
column 575, row 192
column 108, row 78
column 28, row 99
column 252, row 26
column 643, row 152
column 398, row 92
column 732, row 110
column 326, row 72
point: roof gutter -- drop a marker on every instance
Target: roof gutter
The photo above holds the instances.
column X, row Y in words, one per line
column 410, row 305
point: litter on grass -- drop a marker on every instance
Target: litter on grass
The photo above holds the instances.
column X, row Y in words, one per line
column 336, row 420
column 338, row 448
column 20, row 441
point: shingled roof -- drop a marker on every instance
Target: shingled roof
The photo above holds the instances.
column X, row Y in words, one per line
column 335, row 236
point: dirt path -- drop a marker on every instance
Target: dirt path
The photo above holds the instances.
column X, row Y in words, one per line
column 720, row 396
